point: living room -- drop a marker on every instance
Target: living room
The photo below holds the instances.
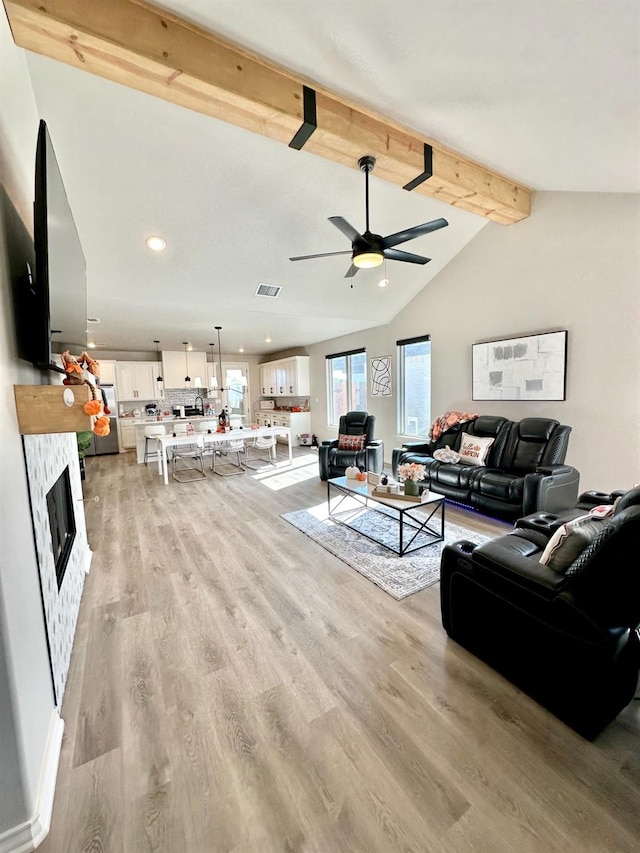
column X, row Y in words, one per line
column 572, row 265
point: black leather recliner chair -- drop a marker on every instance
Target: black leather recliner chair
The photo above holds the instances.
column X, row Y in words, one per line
column 570, row 640
column 334, row 462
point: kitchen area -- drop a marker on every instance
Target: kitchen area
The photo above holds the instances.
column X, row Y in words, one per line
column 141, row 393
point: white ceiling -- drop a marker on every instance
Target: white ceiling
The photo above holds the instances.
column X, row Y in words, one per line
column 546, row 93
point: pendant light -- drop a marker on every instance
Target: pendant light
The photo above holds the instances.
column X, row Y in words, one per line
column 218, row 328
column 213, row 382
column 187, row 378
column 159, row 378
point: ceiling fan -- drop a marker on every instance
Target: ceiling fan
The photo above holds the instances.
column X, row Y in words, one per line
column 370, row 250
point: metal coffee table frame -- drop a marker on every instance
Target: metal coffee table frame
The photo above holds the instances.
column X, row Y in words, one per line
column 362, row 493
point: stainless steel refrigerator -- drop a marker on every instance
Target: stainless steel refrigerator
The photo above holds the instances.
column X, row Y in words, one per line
column 107, row 443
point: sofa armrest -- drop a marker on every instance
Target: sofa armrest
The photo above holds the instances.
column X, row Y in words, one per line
column 551, row 488
column 516, row 560
column 323, row 458
column 374, row 457
column 553, row 470
column 417, row 447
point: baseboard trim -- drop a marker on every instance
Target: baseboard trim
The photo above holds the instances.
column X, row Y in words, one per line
column 25, row 837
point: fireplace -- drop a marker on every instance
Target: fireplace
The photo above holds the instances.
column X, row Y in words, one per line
column 60, row 534
column 62, row 522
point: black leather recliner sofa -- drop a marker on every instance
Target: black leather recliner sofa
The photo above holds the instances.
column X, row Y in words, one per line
column 334, row 461
column 524, row 471
column 569, row 639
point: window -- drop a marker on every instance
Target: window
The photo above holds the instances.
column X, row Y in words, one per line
column 347, row 383
column 234, row 378
column 414, row 381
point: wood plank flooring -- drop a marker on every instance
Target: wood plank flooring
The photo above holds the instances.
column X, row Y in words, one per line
column 235, row 688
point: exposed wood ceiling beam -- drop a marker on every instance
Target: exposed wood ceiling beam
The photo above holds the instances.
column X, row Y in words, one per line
column 145, row 48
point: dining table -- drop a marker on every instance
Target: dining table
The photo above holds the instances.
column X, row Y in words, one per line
column 212, row 438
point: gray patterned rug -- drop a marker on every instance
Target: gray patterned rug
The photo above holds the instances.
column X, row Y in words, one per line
column 399, row 576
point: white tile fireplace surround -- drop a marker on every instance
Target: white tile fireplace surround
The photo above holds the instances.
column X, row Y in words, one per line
column 47, row 456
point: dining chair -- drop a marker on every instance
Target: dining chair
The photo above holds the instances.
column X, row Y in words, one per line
column 255, row 454
column 187, row 463
column 224, row 449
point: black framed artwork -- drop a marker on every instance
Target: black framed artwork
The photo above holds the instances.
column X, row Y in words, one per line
column 531, row 367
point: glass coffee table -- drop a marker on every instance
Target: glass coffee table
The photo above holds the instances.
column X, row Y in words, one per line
column 419, row 524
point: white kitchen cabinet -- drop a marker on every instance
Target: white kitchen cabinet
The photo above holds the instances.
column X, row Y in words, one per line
column 107, row 373
column 298, row 421
column 287, row 377
column 177, row 365
column 127, row 435
column 136, row 380
column 267, row 380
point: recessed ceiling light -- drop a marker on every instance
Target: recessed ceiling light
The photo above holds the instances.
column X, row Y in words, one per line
column 156, row 244
column 267, row 340
column 91, row 345
column 383, row 282
column 241, row 349
column 190, row 348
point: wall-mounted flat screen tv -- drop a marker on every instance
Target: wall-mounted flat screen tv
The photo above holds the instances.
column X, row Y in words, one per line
column 53, row 314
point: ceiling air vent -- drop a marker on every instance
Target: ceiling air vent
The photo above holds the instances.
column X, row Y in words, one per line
column 268, row 290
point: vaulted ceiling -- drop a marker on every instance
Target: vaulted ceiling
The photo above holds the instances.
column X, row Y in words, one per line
column 542, row 94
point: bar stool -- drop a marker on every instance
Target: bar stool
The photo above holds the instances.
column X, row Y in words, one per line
column 205, row 427
column 151, row 433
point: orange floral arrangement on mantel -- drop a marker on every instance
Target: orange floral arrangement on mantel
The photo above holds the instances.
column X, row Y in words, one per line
column 77, row 370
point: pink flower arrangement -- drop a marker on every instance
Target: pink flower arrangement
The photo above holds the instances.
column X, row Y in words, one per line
column 410, row 471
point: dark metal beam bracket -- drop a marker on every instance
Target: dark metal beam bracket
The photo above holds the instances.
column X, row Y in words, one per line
column 428, row 170
column 310, row 117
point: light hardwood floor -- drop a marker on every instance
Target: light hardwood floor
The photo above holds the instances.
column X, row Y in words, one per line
column 235, row 687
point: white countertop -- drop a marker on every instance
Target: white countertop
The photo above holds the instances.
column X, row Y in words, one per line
column 167, row 420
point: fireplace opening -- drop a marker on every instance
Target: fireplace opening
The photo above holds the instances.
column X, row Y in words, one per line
column 62, row 522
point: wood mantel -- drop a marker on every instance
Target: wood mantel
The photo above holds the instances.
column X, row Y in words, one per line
column 41, row 409
column 143, row 47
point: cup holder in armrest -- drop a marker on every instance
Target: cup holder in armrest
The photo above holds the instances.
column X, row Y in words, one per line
column 538, row 521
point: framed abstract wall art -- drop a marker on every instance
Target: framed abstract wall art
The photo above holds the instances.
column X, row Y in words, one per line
column 381, row 376
column 533, row 367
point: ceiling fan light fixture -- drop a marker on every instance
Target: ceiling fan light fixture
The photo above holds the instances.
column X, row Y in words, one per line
column 368, row 260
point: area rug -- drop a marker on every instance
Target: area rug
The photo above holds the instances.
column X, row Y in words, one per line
column 399, row 576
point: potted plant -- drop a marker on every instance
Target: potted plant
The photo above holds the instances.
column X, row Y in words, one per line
column 410, row 473
column 84, row 439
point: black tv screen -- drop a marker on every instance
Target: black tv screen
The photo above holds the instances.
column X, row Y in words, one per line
column 58, row 318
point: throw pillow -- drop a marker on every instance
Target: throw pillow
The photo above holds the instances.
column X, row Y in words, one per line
column 474, row 450
column 570, row 540
column 351, row 442
column 446, row 454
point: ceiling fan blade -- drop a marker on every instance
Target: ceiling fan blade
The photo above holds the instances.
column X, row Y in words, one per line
column 353, row 269
column 412, row 233
column 399, row 255
column 323, row 255
column 342, row 224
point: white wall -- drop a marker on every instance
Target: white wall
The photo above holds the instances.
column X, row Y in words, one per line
column 575, row 265
column 26, row 694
